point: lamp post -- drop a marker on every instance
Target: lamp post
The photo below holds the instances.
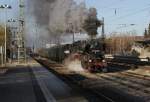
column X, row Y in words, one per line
column 5, row 7
column 13, row 36
column 36, row 37
column 72, row 31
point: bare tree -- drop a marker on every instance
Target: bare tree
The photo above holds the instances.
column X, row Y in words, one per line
column 2, row 36
column 120, row 42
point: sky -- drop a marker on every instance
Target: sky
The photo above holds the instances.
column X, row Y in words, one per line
column 11, row 13
column 118, row 14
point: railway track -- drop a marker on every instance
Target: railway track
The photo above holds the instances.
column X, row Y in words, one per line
column 145, row 77
column 77, row 80
column 130, row 78
column 96, row 92
column 138, row 86
column 135, row 75
column 126, row 81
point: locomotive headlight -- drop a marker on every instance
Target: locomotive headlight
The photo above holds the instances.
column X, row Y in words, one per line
column 67, row 52
column 90, row 60
column 103, row 61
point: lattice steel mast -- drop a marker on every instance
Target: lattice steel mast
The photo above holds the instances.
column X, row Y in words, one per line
column 21, row 33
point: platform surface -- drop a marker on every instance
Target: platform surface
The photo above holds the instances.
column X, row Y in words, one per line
column 32, row 82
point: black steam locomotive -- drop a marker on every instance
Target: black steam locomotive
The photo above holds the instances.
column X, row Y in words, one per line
column 93, row 58
column 90, row 53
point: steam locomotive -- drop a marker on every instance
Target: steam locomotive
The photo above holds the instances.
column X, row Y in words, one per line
column 90, row 53
column 93, row 57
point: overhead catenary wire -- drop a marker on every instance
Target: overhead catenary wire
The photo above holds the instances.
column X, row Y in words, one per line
column 111, row 4
column 130, row 14
column 125, row 16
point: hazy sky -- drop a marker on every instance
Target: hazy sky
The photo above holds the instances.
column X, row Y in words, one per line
column 115, row 12
column 127, row 12
column 12, row 12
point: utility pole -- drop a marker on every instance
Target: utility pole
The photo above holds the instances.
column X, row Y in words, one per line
column 103, row 34
column 1, row 54
column 73, row 33
column 5, row 7
column 13, row 29
column 36, row 36
column 5, row 57
column 73, row 37
column 103, row 28
column 20, row 36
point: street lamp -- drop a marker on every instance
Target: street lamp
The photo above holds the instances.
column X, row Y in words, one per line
column 11, row 20
column 5, row 7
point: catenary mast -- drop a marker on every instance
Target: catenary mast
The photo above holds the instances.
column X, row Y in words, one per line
column 21, row 33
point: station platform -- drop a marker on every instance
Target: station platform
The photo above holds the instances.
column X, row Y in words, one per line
column 31, row 82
